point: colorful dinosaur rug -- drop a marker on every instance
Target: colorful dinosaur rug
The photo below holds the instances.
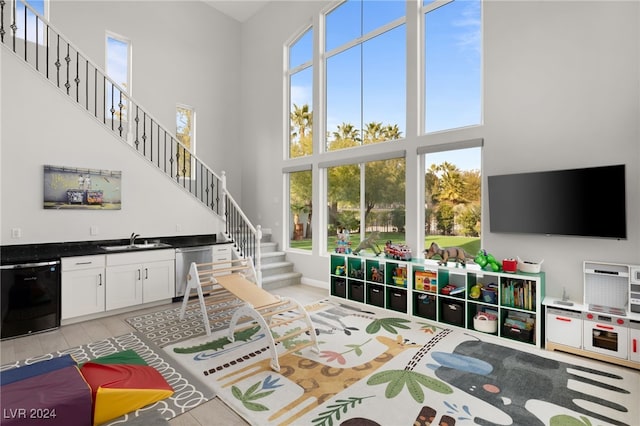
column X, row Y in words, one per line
column 381, row 369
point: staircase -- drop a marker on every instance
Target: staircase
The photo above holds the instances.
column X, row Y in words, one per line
column 34, row 40
column 276, row 271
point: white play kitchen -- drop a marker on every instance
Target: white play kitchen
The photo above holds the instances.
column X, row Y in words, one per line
column 606, row 326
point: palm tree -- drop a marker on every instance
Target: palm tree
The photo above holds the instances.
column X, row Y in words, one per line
column 347, row 131
column 392, row 132
column 373, row 133
column 300, row 142
column 345, row 136
column 301, row 121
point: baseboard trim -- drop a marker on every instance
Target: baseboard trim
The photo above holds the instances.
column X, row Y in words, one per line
column 314, row 283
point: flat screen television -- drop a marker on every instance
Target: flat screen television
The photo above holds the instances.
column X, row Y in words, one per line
column 588, row 202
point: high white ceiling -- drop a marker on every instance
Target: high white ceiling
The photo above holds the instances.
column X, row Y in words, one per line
column 240, row 10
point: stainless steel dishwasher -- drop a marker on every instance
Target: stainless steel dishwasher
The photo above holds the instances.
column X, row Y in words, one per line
column 184, row 257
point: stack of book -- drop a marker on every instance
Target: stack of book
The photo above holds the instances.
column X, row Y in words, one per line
column 519, row 294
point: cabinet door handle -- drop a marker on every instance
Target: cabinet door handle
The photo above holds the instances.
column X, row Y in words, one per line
column 563, row 319
column 139, row 275
column 84, row 263
column 99, row 280
column 604, row 327
column 146, row 273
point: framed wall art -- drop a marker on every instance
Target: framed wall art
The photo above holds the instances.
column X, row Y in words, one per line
column 81, row 188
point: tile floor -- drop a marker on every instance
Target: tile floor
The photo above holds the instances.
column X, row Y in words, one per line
column 90, row 331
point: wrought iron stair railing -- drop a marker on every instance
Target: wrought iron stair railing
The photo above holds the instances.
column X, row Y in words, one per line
column 32, row 38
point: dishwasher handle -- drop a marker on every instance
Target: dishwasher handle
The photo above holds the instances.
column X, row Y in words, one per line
column 192, row 249
column 30, row 265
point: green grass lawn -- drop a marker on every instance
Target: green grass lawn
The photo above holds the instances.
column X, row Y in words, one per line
column 470, row 244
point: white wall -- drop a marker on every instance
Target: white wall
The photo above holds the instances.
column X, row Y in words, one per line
column 184, row 52
column 561, row 90
column 45, row 128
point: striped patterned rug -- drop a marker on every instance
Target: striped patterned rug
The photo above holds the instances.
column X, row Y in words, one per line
column 164, row 327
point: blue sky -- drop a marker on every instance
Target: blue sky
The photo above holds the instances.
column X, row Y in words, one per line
column 367, row 82
column 117, row 61
column 38, row 6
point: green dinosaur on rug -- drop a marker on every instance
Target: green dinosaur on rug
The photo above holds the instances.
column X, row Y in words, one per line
column 220, row 343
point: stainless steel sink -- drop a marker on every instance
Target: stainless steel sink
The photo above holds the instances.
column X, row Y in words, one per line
column 135, row 246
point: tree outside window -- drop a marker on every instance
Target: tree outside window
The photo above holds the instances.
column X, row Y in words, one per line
column 301, row 209
column 301, row 96
column 185, row 125
column 453, row 198
column 365, row 82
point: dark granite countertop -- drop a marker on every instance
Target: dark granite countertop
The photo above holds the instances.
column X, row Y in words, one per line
column 27, row 253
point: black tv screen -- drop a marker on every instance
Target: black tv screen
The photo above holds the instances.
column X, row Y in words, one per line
column 587, row 202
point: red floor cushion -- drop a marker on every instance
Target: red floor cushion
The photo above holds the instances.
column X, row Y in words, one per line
column 121, row 383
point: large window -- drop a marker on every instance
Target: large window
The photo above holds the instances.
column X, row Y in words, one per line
column 118, row 57
column 343, row 205
column 452, row 198
column 185, row 132
column 301, row 209
column 29, row 26
column 365, row 83
column 365, row 72
column 301, row 96
column 452, row 58
column 366, row 199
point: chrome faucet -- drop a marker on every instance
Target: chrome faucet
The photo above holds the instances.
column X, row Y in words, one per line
column 132, row 239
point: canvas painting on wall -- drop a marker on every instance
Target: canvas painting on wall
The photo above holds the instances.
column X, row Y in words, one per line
column 81, row 188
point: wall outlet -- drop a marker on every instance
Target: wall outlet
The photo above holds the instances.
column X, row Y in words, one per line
column 94, row 230
column 16, row 233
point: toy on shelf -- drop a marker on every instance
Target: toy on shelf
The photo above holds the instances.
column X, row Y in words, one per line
column 509, row 265
column 400, row 276
column 457, row 254
column 451, row 290
column 340, row 270
column 475, row 291
column 397, row 251
column 343, row 245
column 426, row 281
column 486, row 261
column 369, row 243
column 376, row 274
column 356, row 273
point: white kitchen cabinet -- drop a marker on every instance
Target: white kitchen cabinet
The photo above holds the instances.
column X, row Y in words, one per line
column 139, row 277
column 564, row 326
column 83, row 286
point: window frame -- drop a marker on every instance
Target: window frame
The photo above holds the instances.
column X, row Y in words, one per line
column 192, row 139
column 289, row 73
column 128, row 89
column 358, row 41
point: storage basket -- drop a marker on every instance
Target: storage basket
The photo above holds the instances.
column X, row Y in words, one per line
column 529, row 267
column 484, row 323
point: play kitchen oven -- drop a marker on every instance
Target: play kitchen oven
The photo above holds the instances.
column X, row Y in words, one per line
column 605, row 334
